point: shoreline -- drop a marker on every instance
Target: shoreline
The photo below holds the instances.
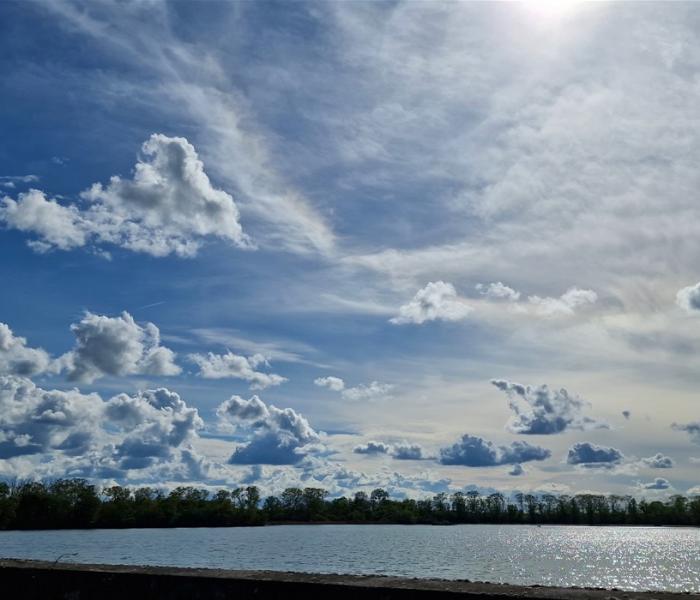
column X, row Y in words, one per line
column 43, row 579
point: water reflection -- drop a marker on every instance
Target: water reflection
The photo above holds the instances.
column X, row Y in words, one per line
column 628, row 558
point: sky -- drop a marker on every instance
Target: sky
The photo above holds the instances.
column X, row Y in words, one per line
column 424, row 246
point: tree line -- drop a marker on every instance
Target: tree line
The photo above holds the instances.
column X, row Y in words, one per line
column 75, row 503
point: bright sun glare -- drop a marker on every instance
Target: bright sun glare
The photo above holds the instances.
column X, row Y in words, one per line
column 551, row 10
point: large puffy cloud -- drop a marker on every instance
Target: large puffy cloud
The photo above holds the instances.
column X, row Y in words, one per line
column 16, row 358
column 116, row 346
column 692, row 429
column 68, row 433
column 155, row 422
column 539, row 410
column 436, row 301
column 35, row 421
column 473, row 451
column 688, row 298
column 658, row 461
column 276, row 436
column 591, row 455
column 230, row 365
column 168, row 207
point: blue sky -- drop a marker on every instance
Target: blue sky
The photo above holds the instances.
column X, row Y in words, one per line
column 399, row 244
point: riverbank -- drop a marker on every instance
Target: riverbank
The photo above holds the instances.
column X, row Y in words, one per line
column 60, row 581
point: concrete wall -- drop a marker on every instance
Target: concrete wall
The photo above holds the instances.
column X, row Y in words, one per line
column 30, row 580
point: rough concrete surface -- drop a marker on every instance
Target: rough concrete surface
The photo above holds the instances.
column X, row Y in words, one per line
column 36, row 579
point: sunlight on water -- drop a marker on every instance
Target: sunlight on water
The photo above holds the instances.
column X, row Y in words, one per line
column 628, row 558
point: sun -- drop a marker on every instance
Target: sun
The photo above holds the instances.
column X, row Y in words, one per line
column 550, row 10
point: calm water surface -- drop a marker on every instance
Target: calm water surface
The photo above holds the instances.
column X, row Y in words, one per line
column 628, row 558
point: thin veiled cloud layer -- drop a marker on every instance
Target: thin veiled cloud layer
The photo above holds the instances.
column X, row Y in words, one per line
column 439, row 301
column 168, row 207
column 372, row 391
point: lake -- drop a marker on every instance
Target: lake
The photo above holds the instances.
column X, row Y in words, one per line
column 628, row 558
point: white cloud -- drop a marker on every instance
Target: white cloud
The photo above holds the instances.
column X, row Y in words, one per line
column 275, row 436
column 406, row 451
column 230, row 365
column 372, row 447
column 332, row 383
column 116, row 346
column 68, row 433
column 498, row 291
column 474, row 451
column 516, row 470
column 566, row 304
column 658, row 484
column 200, row 91
column 56, row 226
column 541, row 411
column 436, row 301
column 168, row 207
column 373, row 391
column 591, row 455
column 658, row 461
column 16, row 358
column 688, row 298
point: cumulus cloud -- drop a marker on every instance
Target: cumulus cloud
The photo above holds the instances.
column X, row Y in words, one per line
column 688, row 298
column 436, row 301
column 591, row 455
column 234, row 366
column 116, row 346
column 332, row 383
column 407, row 451
column 373, row 391
column 35, row 421
column 168, row 207
column 541, row 411
column 275, row 436
column 68, row 433
column 55, row 225
column 16, row 358
column 659, row 461
column 473, row 451
column 658, row 484
column 692, row 429
column 498, row 291
column 516, row 470
column 566, row 304
column 155, row 422
column 372, row 447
